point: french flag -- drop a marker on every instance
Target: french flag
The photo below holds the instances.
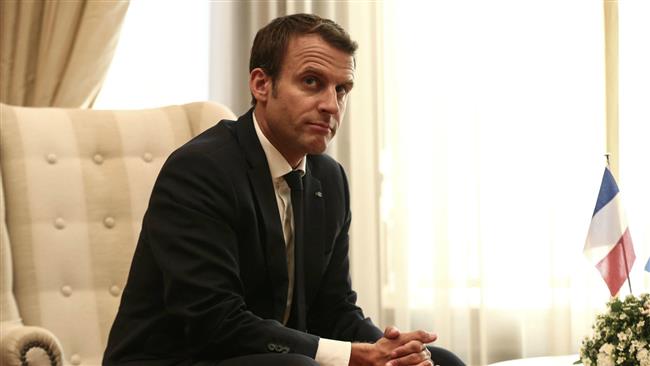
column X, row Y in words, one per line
column 609, row 245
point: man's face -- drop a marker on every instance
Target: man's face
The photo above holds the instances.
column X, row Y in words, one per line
column 301, row 113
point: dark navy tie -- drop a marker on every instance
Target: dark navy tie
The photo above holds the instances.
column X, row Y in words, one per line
column 297, row 317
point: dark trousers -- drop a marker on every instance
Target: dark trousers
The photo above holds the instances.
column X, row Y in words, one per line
column 439, row 356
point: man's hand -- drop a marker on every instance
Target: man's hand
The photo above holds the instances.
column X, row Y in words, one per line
column 413, row 352
column 394, row 349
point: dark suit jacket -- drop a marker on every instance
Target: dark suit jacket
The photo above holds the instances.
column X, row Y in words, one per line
column 208, row 279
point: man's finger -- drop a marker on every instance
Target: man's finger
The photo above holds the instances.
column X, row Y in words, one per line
column 407, row 348
column 420, row 335
column 426, row 363
column 391, row 332
column 410, row 359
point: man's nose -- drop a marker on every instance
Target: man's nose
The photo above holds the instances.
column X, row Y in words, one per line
column 329, row 102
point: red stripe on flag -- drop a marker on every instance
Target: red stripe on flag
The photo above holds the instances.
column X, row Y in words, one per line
column 612, row 267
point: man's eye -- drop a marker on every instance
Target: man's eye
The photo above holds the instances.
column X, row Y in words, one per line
column 310, row 80
column 341, row 90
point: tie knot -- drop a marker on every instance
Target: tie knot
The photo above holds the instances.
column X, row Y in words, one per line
column 294, row 180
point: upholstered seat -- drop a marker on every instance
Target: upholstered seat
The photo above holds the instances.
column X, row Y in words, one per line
column 75, row 185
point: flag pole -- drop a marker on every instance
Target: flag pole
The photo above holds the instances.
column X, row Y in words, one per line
column 627, row 268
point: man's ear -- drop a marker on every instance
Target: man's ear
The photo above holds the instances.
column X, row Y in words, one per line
column 260, row 84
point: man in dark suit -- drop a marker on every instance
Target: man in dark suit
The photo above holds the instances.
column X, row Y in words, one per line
column 243, row 254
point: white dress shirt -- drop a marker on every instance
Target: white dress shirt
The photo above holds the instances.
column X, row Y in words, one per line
column 330, row 352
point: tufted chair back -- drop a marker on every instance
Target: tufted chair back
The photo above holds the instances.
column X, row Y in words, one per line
column 76, row 185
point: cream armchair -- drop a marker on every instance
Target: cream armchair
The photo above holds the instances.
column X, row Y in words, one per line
column 74, row 187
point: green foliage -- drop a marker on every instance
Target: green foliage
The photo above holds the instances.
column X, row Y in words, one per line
column 621, row 336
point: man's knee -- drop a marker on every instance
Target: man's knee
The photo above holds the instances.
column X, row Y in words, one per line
column 302, row 360
column 275, row 359
column 299, row 360
column 443, row 357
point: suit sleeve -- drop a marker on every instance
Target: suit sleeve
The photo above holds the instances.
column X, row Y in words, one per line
column 334, row 313
column 190, row 226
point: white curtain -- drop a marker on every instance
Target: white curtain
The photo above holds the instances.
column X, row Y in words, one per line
column 634, row 74
column 492, row 155
column 162, row 57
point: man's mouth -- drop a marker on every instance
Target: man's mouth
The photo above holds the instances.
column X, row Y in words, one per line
column 321, row 127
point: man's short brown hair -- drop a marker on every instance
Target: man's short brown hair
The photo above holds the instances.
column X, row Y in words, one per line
column 270, row 44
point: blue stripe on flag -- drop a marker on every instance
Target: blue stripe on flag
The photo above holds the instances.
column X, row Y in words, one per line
column 647, row 265
column 608, row 190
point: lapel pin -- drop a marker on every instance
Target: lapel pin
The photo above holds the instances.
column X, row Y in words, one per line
column 319, row 194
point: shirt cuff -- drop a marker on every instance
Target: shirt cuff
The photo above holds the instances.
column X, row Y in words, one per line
column 333, row 353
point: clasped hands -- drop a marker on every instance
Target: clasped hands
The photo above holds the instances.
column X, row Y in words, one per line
column 394, row 349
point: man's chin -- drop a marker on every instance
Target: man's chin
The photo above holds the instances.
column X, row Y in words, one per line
column 318, row 148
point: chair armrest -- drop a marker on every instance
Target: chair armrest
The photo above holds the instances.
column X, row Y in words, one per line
column 26, row 346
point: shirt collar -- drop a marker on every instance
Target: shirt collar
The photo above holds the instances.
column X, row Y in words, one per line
column 278, row 165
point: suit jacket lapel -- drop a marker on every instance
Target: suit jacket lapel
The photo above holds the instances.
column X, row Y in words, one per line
column 262, row 184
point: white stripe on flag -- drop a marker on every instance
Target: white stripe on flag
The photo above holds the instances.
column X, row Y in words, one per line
column 607, row 227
